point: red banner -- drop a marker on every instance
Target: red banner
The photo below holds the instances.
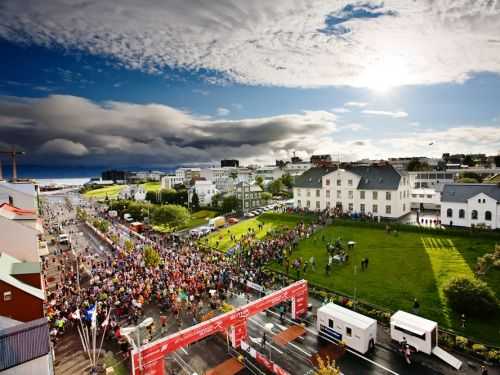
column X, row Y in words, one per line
column 156, row 350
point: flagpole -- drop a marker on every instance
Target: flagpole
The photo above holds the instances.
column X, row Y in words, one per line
column 104, row 333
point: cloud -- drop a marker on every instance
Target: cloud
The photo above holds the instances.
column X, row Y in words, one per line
column 396, row 114
column 201, row 92
column 284, row 43
column 223, row 111
column 356, row 104
column 122, row 133
column 341, row 110
column 64, row 147
column 354, row 127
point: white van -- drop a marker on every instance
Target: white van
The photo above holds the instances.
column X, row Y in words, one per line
column 419, row 333
column 357, row 331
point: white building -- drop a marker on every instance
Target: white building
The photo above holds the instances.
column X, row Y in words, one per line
column 169, row 181
column 226, row 178
column 20, row 233
column 296, row 169
column 379, row 190
column 425, row 199
column 205, row 191
column 187, row 174
column 269, row 174
column 426, row 188
column 23, row 195
column 468, row 205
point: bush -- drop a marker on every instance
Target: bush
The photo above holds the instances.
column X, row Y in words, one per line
column 471, row 297
column 479, row 348
column 171, row 214
column 461, row 342
column 151, row 257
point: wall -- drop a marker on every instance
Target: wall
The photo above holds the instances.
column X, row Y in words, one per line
column 33, row 279
column 23, row 306
column 472, row 204
column 19, row 240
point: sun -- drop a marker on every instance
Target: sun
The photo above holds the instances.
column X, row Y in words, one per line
column 384, row 74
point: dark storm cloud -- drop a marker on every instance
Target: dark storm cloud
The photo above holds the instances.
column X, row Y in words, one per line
column 65, row 129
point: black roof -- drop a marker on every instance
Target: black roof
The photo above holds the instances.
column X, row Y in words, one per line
column 463, row 192
column 377, row 177
column 312, row 177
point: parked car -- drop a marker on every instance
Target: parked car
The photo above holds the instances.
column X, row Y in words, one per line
column 249, row 214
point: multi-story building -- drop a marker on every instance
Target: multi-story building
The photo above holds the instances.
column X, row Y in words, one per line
column 378, row 190
column 169, row 181
column 19, row 194
column 187, row 174
column 426, row 188
column 250, row 195
column 205, row 191
column 468, row 205
column 296, row 169
column 269, row 174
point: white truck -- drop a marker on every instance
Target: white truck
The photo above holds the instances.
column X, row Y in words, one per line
column 217, row 222
column 357, row 331
column 421, row 334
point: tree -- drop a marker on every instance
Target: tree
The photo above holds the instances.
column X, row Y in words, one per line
column 128, row 245
column 260, row 181
column 416, row 165
column 216, row 200
column 287, row 180
column 468, row 160
column 230, row 203
column 152, row 197
column 195, row 201
column 266, row 196
column 471, row 297
column 151, row 257
column 471, row 175
column 326, row 367
column 171, row 214
column 467, row 180
column 276, row 187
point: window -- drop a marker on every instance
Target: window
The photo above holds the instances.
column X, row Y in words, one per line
column 473, row 215
column 308, row 203
column 327, row 181
column 487, row 215
column 11, row 200
column 404, row 207
column 410, row 333
column 375, row 195
column 339, row 194
column 351, row 195
column 351, row 207
column 429, row 196
column 327, row 205
column 414, row 195
column 317, row 205
column 339, row 182
column 328, row 193
column 361, row 195
column 318, row 192
column 387, row 195
column 7, row 296
column 308, row 193
column 421, row 195
column 348, row 331
column 299, row 203
column 461, row 213
column 330, row 323
column 479, row 201
column 349, row 182
column 298, row 192
column 387, row 209
column 375, row 208
column 362, row 208
column 449, row 212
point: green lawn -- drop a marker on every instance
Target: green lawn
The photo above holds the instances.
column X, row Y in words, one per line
column 197, row 219
column 101, row 193
column 271, row 221
column 152, row 186
column 401, row 268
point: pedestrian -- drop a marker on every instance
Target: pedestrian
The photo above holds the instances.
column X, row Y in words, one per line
column 305, row 266
column 416, row 306
column 264, row 339
column 312, row 261
column 281, row 310
column 366, row 264
column 363, row 264
column 484, row 370
column 462, row 320
column 328, row 268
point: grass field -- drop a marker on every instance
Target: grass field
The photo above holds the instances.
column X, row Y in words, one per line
column 197, row 219
column 271, row 221
column 401, row 268
column 152, row 186
column 101, row 193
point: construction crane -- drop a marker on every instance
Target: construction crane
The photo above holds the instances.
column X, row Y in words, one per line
column 13, row 155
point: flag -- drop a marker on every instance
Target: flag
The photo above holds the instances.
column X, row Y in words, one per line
column 94, row 317
column 90, row 312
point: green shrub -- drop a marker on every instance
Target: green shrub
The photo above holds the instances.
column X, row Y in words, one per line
column 471, row 297
column 493, row 355
column 151, row 257
column 461, row 342
column 479, row 348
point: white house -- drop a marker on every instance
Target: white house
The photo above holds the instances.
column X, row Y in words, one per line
column 377, row 190
column 21, row 230
column 468, row 205
column 205, row 191
column 23, row 195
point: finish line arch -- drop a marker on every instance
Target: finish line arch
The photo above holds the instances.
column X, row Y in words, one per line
column 149, row 359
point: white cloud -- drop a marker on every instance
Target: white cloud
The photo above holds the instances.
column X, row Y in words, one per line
column 201, row 92
column 63, row 147
column 275, row 42
column 355, row 127
column 356, row 104
column 221, row 111
column 396, row 114
column 341, row 110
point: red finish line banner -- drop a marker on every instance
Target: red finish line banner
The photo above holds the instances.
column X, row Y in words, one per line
column 157, row 350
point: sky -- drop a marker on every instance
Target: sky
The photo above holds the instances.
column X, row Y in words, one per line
column 171, row 82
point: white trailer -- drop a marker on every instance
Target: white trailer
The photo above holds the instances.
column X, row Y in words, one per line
column 357, row 331
column 421, row 334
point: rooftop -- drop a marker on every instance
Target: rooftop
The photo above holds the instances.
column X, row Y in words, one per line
column 14, row 213
column 11, row 266
column 312, row 177
column 463, row 192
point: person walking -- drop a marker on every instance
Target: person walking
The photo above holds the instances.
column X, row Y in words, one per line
column 312, row 261
column 416, row 306
column 484, row 370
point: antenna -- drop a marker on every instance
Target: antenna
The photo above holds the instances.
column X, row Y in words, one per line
column 13, row 154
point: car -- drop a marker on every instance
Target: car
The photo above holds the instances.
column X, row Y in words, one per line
column 249, row 214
